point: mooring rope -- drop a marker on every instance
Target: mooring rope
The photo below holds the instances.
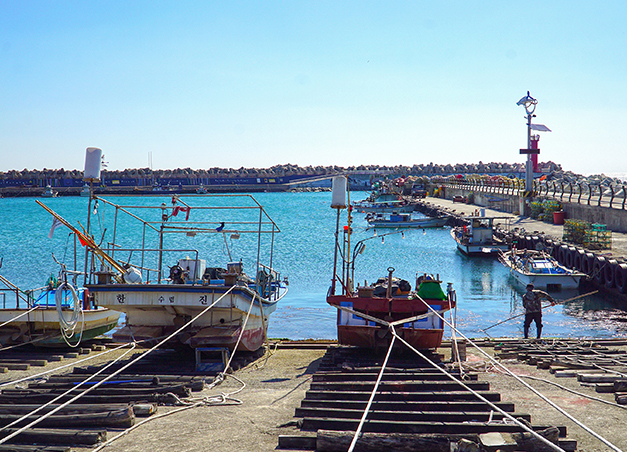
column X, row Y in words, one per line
column 126, row 366
column 59, row 397
column 220, row 399
column 547, row 400
column 372, row 395
column 479, row 396
column 538, row 393
column 581, row 394
column 68, row 326
column 18, row 316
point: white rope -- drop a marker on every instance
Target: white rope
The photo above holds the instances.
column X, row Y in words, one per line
column 222, row 399
column 68, row 326
column 541, row 438
column 538, row 393
column 372, row 395
column 479, row 396
column 59, row 397
column 206, row 401
column 126, row 366
column 18, row 316
column 581, row 394
column 30, row 377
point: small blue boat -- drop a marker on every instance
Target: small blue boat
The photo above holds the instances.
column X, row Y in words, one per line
column 405, row 220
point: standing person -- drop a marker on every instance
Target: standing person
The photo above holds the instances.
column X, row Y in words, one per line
column 532, row 302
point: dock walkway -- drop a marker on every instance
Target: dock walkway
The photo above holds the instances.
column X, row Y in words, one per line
column 531, row 226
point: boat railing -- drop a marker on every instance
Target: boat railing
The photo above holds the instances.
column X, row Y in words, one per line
column 14, row 292
column 144, row 267
column 270, row 283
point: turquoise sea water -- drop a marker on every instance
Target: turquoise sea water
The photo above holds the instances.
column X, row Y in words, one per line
column 304, row 252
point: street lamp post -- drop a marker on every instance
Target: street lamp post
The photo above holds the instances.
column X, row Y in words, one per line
column 530, row 107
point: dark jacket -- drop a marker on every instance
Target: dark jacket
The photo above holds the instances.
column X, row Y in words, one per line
column 532, row 301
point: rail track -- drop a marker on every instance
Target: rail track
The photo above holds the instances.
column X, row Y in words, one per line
column 36, row 414
column 416, row 406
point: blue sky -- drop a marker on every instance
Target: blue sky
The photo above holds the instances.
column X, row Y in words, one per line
column 259, row 83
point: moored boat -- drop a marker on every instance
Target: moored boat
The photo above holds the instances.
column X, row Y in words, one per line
column 55, row 315
column 478, row 238
column 49, row 192
column 405, row 220
column 365, row 314
column 226, row 307
column 540, row 269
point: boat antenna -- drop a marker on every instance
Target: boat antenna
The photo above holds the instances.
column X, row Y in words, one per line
column 338, row 202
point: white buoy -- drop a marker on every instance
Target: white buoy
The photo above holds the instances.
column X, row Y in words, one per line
column 338, row 200
column 93, row 157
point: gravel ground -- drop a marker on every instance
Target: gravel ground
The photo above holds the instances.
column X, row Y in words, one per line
column 607, row 421
column 275, row 387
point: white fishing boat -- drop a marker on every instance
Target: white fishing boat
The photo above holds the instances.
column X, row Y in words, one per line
column 49, row 192
column 478, row 238
column 540, row 269
column 55, row 315
column 85, row 191
column 165, row 283
column 405, row 220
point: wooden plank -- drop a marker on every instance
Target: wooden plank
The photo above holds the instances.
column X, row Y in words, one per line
column 397, row 376
column 179, row 390
column 297, row 442
column 396, row 396
column 145, row 409
column 15, row 366
column 475, row 406
column 122, row 418
column 404, row 386
column 334, row 441
column 596, row 378
column 69, row 437
column 422, row 416
column 8, row 447
column 447, row 428
column 604, row 388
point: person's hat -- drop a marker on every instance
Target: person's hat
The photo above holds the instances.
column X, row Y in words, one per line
column 529, row 286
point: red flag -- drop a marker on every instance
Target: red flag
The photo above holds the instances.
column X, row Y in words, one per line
column 178, row 209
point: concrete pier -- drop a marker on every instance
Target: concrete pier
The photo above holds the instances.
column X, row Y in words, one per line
column 606, row 269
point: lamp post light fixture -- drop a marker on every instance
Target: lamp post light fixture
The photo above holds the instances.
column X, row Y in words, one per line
column 530, row 107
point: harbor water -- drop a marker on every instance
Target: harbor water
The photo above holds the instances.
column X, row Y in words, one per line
column 303, row 251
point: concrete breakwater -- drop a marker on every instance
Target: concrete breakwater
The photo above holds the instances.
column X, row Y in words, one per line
column 606, row 269
column 278, row 177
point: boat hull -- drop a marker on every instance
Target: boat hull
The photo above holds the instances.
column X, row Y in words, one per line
column 481, row 249
column 416, row 224
column 547, row 282
column 42, row 326
column 485, row 245
column 380, row 337
column 358, row 331
column 158, row 310
column 540, row 270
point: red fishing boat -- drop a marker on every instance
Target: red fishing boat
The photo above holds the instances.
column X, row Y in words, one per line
column 365, row 314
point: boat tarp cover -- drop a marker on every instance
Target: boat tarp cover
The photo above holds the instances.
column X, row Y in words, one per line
column 431, row 290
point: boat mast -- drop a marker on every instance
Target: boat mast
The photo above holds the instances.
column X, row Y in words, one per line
column 338, row 202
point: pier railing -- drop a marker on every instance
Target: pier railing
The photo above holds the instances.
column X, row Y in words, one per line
column 601, row 194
